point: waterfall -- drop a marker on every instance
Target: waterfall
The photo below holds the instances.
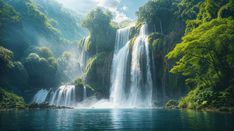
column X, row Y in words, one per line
column 82, row 55
column 140, row 94
column 131, row 78
column 84, row 93
column 141, row 79
column 119, row 66
column 122, row 37
column 40, row 96
column 65, row 95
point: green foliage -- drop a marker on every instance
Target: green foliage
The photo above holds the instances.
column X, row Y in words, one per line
column 7, row 15
column 6, row 61
column 98, row 73
column 171, row 104
column 79, row 82
column 202, row 98
column 25, row 25
column 158, row 14
column 204, row 10
column 38, row 69
column 227, row 10
column 10, row 100
column 66, row 21
column 210, row 9
column 188, row 9
column 31, row 14
column 88, row 44
column 103, row 41
column 132, row 41
column 12, row 73
column 206, row 54
column 97, row 20
column 44, row 52
column 196, row 12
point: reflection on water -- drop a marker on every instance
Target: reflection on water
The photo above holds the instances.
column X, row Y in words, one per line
column 116, row 119
column 132, row 119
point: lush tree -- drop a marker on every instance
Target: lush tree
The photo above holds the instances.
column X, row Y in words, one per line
column 158, row 14
column 6, row 60
column 42, row 71
column 102, row 34
column 188, row 9
column 9, row 100
column 97, row 20
column 206, row 55
column 44, row 52
column 7, row 15
column 12, row 73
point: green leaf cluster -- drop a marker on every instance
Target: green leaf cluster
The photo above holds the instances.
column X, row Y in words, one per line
column 10, row 100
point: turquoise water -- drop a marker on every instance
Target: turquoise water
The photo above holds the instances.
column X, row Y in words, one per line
column 115, row 119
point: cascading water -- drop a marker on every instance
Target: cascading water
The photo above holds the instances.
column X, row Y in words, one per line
column 82, row 54
column 119, row 67
column 131, row 78
column 140, row 93
column 65, row 95
column 141, row 79
column 40, row 96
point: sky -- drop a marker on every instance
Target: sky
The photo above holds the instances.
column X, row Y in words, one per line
column 121, row 9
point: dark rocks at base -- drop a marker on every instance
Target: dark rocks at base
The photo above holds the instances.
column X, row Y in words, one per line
column 46, row 105
column 172, row 104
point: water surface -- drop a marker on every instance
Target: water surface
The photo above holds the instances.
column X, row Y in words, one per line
column 115, row 119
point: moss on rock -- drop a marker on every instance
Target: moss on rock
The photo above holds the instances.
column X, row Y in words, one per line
column 98, row 73
column 172, row 104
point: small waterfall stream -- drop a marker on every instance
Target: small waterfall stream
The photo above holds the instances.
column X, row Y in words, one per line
column 65, row 95
column 40, row 96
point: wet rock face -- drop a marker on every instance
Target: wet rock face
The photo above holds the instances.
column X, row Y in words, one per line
column 98, row 75
column 80, row 91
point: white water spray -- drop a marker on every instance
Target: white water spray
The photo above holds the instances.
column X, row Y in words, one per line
column 141, row 80
column 140, row 94
column 65, row 95
column 119, row 67
column 131, row 78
